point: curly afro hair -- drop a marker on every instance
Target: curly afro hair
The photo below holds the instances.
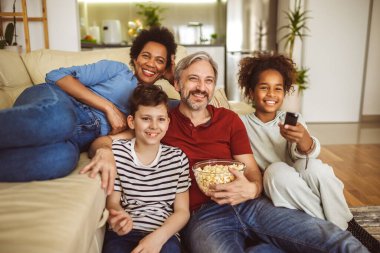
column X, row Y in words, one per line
column 157, row 34
column 252, row 67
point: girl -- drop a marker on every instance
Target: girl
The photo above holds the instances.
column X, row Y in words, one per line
column 293, row 176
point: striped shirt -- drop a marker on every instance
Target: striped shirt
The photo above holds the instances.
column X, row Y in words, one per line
column 148, row 192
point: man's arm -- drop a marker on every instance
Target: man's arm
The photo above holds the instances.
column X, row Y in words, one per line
column 103, row 161
column 252, row 172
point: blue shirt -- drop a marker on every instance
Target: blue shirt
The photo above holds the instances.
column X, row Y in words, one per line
column 111, row 80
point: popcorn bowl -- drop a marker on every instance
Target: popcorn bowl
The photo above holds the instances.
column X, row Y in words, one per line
column 212, row 172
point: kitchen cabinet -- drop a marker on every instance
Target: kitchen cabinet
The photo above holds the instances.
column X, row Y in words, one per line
column 218, row 54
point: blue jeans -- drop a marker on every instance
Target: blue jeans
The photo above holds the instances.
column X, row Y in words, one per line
column 42, row 135
column 114, row 243
column 226, row 228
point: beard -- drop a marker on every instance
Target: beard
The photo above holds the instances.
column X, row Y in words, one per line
column 195, row 105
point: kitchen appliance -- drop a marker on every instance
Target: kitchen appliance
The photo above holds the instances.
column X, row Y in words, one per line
column 251, row 26
column 111, row 32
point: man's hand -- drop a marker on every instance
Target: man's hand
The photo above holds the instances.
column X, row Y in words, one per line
column 120, row 222
column 104, row 163
column 234, row 192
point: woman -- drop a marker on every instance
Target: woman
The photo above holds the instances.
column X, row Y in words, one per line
column 50, row 124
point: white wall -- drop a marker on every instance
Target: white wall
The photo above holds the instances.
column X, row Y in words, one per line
column 63, row 24
column 371, row 101
column 335, row 54
column 63, row 19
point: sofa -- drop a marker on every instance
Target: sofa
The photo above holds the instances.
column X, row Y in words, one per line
column 68, row 214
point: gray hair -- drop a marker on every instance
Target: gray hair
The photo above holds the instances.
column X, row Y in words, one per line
column 185, row 62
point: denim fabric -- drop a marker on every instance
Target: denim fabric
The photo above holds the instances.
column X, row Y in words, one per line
column 41, row 136
column 114, row 243
column 226, row 228
column 111, row 80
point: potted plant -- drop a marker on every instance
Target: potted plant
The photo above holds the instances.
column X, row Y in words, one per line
column 151, row 14
column 296, row 29
column 6, row 39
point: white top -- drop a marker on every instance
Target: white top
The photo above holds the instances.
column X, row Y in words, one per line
column 267, row 143
column 148, row 192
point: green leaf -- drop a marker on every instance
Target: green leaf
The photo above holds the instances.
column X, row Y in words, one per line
column 9, row 33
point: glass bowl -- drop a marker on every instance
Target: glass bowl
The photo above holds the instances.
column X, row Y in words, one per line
column 212, row 172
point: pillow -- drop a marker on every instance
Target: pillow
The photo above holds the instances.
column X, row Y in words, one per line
column 220, row 99
column 42, row 61
column 12, row 70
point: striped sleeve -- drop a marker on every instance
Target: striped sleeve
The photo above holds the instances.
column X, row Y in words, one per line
column 118, row 148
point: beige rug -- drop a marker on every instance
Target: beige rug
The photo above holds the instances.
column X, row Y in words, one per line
column 369, row 218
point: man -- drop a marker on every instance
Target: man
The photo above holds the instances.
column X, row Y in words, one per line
column 237, row 219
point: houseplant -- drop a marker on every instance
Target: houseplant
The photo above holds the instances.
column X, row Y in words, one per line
column 6, row 39
column 296, row 29
column 151, row 14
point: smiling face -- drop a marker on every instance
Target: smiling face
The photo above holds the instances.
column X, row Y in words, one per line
column 150, row 63
column 196, row 85
column 150, row 124
column 268, row 94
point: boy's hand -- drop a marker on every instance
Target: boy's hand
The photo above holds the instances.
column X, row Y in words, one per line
column 151, row 243
column 292, row 134
column 120, row 221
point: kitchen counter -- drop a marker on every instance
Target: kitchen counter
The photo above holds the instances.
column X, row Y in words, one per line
column 89, row 45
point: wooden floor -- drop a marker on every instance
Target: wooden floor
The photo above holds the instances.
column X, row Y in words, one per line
column 358, row 166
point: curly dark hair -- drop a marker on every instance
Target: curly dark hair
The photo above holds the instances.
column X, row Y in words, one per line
column 252, row 67
column 157, row 34
column 147, row 95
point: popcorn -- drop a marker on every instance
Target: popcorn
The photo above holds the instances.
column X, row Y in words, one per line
column 215, row 172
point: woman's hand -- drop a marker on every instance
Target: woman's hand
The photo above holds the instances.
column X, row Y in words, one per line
column 235, row 192
column 169, row 73
column 120, row 221
column 116, row 119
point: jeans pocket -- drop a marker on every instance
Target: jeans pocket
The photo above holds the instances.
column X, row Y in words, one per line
column 87, row 128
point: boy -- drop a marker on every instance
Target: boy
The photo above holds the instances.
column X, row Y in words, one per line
column 150, row 202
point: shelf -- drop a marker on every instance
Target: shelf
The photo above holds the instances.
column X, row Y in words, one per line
column 23, row 17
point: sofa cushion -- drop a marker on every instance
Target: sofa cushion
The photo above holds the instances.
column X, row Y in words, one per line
column 42, row 61
column 62, row 215
column 220, row 99
column 13, row 78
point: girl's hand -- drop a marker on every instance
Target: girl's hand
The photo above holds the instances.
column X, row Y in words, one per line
column 116, row 119
column 293, row 134
column 151, row 243
column 234, row 192
column 120, row 221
